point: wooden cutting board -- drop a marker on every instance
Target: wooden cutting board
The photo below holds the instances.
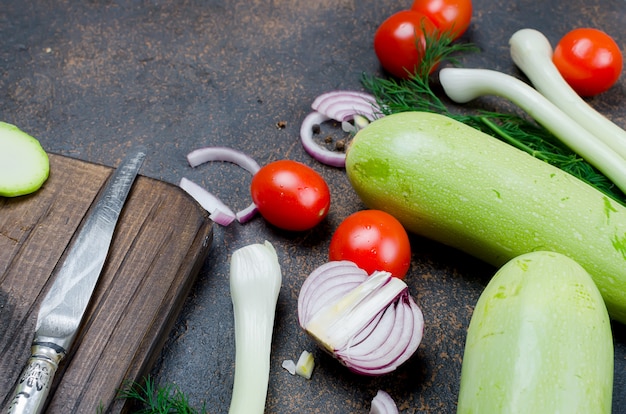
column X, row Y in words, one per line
column 160, row 244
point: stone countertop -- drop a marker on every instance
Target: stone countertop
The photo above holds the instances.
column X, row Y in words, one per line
column 90, row 79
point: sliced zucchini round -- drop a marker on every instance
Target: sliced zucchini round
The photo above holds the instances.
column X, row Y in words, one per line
column 24, row 164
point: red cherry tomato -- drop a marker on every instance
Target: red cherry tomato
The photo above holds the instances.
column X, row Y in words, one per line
column 290, row 195
column 589, row 60
column 396, row 42
column 450, row 16
column 374, row 240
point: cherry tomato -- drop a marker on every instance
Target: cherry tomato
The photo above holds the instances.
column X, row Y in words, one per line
column 589, row 60
column 450, row 16
column 396, row 42
column 374, row 240
column 290, row 195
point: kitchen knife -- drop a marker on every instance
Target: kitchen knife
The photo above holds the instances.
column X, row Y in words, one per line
column 65, row 303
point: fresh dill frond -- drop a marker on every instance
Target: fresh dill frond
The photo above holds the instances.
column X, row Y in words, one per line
column 149, row 399
column 438, row 47
column 412, row 94
column 416, row 94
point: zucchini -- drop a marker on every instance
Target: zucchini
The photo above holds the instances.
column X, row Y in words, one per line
column 24, row 165
column 539, row 341
column 454, row 184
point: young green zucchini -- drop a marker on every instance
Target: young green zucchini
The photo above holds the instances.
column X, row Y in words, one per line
column 454, row 184
column 539, row 342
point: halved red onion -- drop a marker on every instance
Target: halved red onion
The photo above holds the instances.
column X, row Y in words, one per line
column 371, row 324
column 225, row 154
column 382, row 403
column 377, row 331
column 218, row 211
column 342, row 106
column 409, row 341
column 398, row 347
column 378, row 341
column 326, row 286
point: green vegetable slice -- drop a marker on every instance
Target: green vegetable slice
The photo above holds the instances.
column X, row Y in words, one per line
column 24, row 164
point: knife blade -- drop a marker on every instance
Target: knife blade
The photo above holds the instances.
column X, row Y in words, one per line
column 64, row 305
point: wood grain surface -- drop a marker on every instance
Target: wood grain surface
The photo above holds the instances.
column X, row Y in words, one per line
column 160, row 243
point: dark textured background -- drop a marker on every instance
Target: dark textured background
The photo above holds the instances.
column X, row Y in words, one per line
column 90, row 79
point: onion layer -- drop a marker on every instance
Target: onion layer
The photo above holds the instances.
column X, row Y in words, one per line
column 371, row 324
column 341, row 106
column 219, row 212
column 382, row 403
column 206, row 154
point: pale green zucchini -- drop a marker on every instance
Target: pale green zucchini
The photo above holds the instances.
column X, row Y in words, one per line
column 454, row 184
column 539, row 341
column 24, row 164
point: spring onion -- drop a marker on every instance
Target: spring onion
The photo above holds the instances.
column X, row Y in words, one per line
column 516, row 129
column 532, row 53
column 255, row 281
column 464, row 85
column 371, row 324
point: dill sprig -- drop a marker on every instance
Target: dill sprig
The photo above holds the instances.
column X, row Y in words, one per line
column 150, row 399
column 416, row 94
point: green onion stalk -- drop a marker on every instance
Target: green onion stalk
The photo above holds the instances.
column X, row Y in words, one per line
column 417, row 93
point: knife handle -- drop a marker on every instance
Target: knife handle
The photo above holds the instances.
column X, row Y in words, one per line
column 32, row 389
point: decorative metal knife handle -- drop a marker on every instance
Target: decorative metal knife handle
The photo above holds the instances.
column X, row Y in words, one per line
column 63, row 307
column 34, row 383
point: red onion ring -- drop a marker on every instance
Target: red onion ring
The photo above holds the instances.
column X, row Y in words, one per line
column 344, row 109
column 348, row 103
column 382, row 403
column 317, row 101
column 371, row 324
column 246, row 214
column 218, row 211
column 206, row 154
column 321, row 154
column 342, row 106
